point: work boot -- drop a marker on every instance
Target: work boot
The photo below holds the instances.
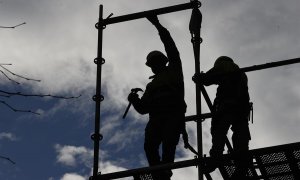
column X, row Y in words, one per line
column 240, row 175
column 157, row 176
column 208, row 168
column 167, row 174
column 136, row 177
column 210, row 165
column 162, row 175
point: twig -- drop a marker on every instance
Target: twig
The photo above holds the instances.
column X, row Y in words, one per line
column 9, row 94
column 18, row 110
column 8, row 159
column 2, row 95
column 10, row 79
column 12, row 27
column 28, row 79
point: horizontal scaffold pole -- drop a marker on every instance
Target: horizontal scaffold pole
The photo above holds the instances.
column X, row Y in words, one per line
column 260, row 67
column 196, row 117
column 145, row 170
column 144, row 14
column 271, row 65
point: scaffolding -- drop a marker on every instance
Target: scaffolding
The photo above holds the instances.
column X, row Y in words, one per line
column 273, row 163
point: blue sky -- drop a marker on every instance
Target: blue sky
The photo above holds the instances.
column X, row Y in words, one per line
column 59, row 42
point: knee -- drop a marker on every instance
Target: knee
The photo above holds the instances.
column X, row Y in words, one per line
column 240, row 143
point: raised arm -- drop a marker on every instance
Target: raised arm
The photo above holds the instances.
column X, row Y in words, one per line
column 169, row 44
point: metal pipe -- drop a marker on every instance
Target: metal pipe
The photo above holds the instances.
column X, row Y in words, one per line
column 271, row 65
column 198, row 107
column 261, row 66
column 144, row 14
column 133, row 172
column 195, row 29
column 98, row 97
column 197, row 117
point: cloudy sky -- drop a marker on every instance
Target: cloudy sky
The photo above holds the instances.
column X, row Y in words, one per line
column 58, row 43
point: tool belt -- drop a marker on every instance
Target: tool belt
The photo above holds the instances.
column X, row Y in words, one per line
column 233, row 106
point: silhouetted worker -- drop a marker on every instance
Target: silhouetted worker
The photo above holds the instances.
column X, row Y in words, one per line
column 231, row 108
column 164, row 101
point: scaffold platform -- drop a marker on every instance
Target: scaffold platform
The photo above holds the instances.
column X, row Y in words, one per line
column 271, row 163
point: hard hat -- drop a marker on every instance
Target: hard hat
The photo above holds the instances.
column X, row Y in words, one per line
column 223, row 59
column 156, row 57
column 225, row 63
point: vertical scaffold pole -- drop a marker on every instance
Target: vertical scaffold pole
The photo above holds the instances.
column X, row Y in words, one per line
column 99, row 61
column 195, row 27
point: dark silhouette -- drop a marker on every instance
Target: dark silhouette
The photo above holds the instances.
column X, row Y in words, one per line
column 231, row 108
column 164, row 101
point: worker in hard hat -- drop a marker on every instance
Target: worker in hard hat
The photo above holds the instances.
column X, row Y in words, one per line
column 164, row 101
column 230, row 109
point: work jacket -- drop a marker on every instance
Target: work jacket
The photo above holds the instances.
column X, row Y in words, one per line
column 232, row 92
column 165, row 93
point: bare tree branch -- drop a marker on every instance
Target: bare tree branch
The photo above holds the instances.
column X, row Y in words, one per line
column 9, row 77
column 12, row 27
column 6, row 72
column 14, row 74
column 10, row 94
column 18, row 110
column 7, row 158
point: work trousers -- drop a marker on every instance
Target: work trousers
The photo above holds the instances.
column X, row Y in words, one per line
column 162, row 130
column 220, row 125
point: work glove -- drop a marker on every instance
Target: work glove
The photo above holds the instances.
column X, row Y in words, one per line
column 133, row 97
column 199, row 78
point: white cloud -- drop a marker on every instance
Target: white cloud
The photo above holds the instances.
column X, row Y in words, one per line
column 8, row 136
column 72, row 176
column 48, row 49
column 108, row 167
column 73, row 156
